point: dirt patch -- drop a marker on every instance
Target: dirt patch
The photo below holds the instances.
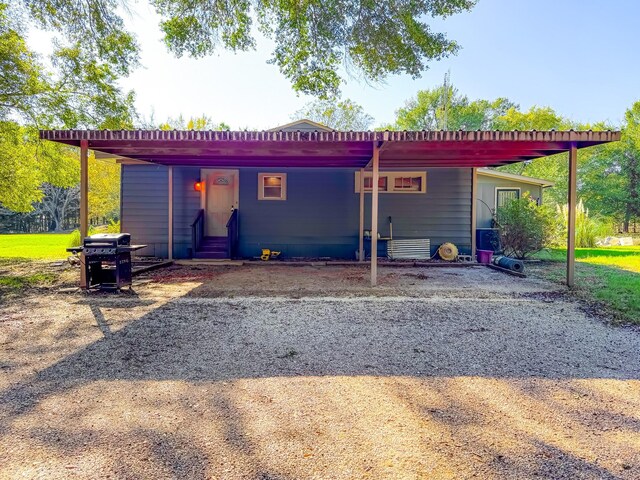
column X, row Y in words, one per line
column 307, row 372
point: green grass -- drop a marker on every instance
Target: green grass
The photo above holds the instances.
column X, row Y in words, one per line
column 17, row 282
column 40, row 246
column 610, row 275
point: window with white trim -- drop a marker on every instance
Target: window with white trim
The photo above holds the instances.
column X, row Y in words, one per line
column 506, row 195
column 394, row 182
column 272, row 186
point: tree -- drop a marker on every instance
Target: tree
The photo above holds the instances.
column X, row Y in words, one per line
column 194, row 123
column 444, row 108
column 78, row 91
column 610, row 174
column 339, row 115
column 315, row 40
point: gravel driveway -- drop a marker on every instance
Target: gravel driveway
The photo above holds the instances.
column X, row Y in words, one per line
column 277, row 372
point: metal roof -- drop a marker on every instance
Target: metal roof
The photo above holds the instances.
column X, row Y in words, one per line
column 400, row 149
column 513, row 176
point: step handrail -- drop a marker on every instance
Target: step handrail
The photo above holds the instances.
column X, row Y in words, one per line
column 197, row 232
column 232, row 234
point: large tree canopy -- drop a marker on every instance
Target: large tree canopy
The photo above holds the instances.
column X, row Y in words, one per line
column 337, row 114
column 444, row 108
column 315, row 40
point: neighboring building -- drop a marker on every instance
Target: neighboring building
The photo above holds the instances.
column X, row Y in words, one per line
column 495, row 188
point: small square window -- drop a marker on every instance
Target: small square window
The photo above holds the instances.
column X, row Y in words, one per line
column 272, row 186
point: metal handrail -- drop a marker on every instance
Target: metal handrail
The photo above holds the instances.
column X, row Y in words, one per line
column 197, row 231
column 232, row 234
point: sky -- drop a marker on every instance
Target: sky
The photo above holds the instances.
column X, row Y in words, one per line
column 580, row 57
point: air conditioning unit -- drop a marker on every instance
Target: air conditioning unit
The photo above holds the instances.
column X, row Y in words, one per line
column 488, row 239
column 411, row 249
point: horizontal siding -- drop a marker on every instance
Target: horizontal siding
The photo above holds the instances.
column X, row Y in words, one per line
column 145, row 207
column 487, row 194
column 319, row 218
column 442, row 214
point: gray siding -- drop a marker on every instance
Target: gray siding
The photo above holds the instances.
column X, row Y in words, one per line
column 442, row 214
column 145, row 207
column 487, row 196
column 318, row 219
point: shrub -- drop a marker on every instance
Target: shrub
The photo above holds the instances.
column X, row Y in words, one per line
column 112, row 227
column 525, row 227
column 588, row 228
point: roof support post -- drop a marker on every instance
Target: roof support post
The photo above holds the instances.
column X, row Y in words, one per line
column 572, row 200
column 84, row 188
column 375, row 161
column 361, row 229
column 170, row 236
column 474, row 209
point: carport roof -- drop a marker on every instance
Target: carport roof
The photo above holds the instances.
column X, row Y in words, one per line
column 284, row 149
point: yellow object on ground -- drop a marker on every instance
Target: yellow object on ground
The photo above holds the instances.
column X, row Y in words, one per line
column 268, row 254
column 448, row 251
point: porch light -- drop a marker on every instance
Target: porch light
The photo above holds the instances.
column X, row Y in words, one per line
column 197, row 186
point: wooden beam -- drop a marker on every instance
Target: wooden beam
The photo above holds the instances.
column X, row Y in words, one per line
column 474, row 207
column 375, row 161
column 572, row 200
column 170, row 241
column 84, row 188
column 361, row 229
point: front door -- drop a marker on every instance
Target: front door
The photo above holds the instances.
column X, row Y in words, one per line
column 221, row 197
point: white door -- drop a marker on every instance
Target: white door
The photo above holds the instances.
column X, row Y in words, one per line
column 221, row 194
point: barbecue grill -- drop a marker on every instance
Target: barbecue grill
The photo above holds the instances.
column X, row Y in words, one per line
column 105, row 260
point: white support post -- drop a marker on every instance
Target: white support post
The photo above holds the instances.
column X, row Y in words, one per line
column 361, row 241
column 374, row 214
column 572, row 200
column 170, row 240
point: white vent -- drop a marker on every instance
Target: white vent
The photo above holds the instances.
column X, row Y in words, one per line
column 414, row 249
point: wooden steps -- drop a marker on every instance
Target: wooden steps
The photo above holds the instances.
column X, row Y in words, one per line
column 213, row 248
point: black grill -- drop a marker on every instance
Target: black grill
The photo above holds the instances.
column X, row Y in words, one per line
column 105, row 259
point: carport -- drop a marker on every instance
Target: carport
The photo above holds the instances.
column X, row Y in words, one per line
column 373, row 151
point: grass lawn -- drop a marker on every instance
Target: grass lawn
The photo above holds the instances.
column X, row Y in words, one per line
column 610, row 275
column 40, row 246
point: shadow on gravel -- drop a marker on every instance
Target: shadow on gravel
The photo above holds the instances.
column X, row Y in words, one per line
column 208, row 340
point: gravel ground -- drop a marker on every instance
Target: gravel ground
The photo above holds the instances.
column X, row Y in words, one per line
column 273, row 372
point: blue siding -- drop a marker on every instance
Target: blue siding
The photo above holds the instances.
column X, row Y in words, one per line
column 442, row 214
column 318, row 219
column 145, row 209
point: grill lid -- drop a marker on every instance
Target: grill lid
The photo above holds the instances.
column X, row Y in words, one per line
column 107, row 240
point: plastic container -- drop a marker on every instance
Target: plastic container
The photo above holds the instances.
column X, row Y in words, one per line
column 484, row 256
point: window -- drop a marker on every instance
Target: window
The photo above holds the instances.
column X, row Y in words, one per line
column 368, row 183
column 505, row 195
column 272, row 186
column 394, row 182
column 409, row 184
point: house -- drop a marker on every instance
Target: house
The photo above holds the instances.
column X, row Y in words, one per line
column 308, row 191
column 495, row 188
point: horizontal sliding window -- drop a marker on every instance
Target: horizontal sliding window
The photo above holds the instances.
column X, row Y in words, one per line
column 394, row 182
